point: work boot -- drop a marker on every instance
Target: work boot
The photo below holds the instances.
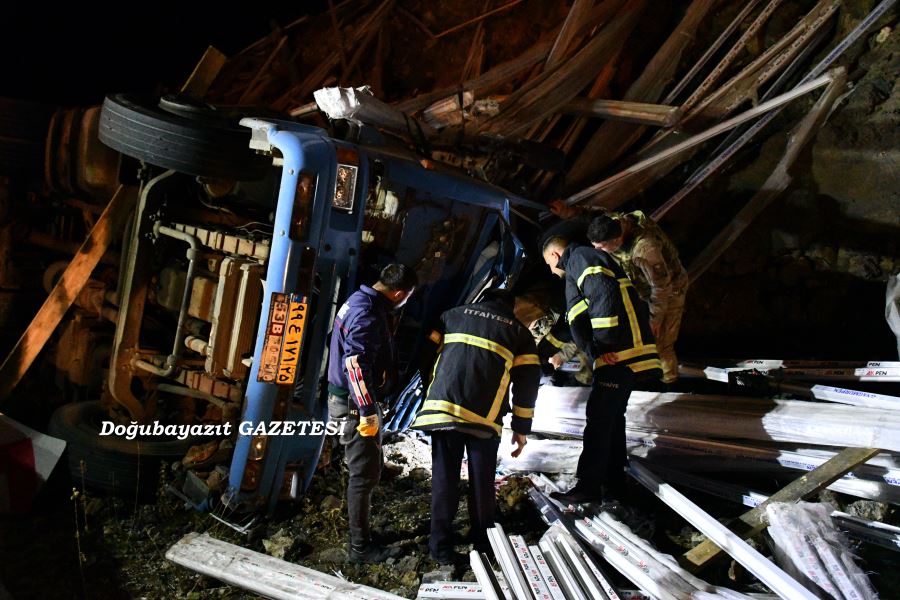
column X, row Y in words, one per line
column 450, row 558
column 577, row 495
column 370, row 553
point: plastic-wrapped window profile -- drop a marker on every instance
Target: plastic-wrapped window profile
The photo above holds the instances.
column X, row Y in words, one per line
column 808, row 543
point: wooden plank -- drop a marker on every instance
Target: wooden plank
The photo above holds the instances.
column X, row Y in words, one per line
column 567, row 35
column 611, row 140
column 542, row 96
column 204, row 73
column 754, row 521
column 106, row 231
column 476, row 19
column 658, row 115
column 491, row 78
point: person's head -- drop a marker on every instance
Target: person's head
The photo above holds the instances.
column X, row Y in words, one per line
column 605, row 233
column 498, row 295
column 552, row 251
column 397, row 283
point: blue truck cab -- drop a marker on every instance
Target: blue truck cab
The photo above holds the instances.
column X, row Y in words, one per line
column 344, row 209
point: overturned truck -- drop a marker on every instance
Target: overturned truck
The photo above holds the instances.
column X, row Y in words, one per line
column 233, row 265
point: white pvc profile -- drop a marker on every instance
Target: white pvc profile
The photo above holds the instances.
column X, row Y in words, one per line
column 608, row 588
column 564, row 575
column 529, row 566
column 778, row 581
column 265, row 575
column 450, row 590
column 509, row 565
column 485, row 576
column 549, row 578
column 618, row 558
column 573, row 556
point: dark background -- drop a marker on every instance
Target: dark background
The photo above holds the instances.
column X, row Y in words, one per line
column 72, row 55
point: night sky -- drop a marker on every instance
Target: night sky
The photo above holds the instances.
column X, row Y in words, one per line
column 71, row 55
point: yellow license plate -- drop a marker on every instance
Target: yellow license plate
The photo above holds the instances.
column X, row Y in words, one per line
column 289, row 362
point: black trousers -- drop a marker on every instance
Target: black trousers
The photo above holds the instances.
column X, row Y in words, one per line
column 446, row 457
column 364, row 462
column 603, row 457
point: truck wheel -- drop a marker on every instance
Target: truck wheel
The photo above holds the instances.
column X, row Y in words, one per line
column 111, row 463
column 186, row 137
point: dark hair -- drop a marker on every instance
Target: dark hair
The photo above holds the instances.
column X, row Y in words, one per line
column 554, row 240
column 603, row 228
column 396, row 276
column 498, row 295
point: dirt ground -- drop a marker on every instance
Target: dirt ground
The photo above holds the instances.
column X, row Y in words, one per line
column 86, row 546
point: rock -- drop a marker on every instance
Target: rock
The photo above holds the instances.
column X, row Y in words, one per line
column 443, row 573
column 279, row 544
column 868, row 509
column 332, row 555
column 409, row 579
column 420, row 474
column 330, row 502
column 408, row 563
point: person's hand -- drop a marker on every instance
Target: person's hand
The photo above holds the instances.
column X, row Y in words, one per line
column 368, row 426
column 556, row 360
column 655, row 326
column 559, row 208
column 518, row 439
column 610, row 358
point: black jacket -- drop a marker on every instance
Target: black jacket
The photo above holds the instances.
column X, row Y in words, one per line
column 605, row 313
column 484, row 350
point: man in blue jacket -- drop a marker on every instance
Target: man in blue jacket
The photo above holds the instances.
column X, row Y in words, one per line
column 362, row 370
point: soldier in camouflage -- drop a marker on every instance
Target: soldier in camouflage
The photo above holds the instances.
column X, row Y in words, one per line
column 650, row 260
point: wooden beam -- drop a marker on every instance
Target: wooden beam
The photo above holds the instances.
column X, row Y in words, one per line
column 476, row 19
column 658, row 115
column 754, row 521
column 106, row 231
column 204, row 73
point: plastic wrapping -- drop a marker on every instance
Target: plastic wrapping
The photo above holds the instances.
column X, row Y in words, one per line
column 808, row 544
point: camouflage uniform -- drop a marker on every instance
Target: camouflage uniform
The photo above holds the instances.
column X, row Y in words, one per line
column 651, row 261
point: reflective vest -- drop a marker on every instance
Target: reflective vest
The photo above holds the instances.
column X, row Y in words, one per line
column 484, row 349
column 605, row 313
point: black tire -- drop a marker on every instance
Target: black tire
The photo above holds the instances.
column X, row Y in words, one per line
column 111, row 463
column 190, row 141
column 23, row 133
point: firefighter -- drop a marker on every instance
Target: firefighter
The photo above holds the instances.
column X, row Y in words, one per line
column 362, row 371
column 610, row 324
column 483, row 349
column 650, row 260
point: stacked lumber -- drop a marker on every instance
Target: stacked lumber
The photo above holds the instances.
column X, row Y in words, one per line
column 514, row 91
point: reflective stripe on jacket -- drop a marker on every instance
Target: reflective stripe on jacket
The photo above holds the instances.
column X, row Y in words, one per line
column 605, row 313
column 485, row 349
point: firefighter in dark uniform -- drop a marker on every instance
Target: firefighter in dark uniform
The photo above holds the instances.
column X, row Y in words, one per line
column 483, row 349
column 362, row 370
column 611, row 325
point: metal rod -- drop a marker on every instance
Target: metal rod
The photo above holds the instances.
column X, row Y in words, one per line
column 701, row 62
column 714, row 164
column 192, row 253
column 722, row 127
